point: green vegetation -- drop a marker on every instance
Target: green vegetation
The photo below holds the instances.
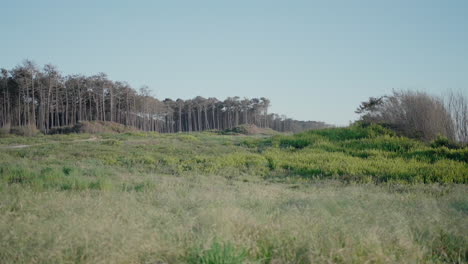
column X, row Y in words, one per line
column 365, row 154
column 346, row 195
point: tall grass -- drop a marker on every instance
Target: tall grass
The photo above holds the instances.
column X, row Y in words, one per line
column 208, row 219
column 351, row 195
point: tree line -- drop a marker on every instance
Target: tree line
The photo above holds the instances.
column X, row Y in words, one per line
column 45, row 99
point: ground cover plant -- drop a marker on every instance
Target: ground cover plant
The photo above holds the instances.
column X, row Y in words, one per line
column 343, row 195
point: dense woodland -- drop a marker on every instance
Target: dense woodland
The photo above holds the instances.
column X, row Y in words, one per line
column 45, row 99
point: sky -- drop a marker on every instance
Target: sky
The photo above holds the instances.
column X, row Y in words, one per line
column 315, row 60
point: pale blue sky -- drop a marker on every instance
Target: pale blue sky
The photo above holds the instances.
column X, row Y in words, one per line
column 315, row 60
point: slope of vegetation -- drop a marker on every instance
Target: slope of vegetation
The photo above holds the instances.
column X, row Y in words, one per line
column 365, row 154
column 142, row 197
column 356, row 154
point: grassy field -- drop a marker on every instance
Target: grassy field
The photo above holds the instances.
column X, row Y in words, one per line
column 348, row 195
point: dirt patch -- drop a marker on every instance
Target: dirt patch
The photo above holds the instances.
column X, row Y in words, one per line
column 16, row 146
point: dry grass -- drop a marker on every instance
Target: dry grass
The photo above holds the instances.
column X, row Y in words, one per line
column 167, row 218
column 27, row 131
column 5, row 130
column 103, row 127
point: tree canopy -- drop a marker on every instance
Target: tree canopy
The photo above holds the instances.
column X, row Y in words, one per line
column 46, row 99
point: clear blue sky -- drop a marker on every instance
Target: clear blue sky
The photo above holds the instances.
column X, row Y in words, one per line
column 315, row 60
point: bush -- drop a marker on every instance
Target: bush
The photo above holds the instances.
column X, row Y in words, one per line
column 65, row 130
column 92, row 127
column 442, row 141
column 27, row 131
column 411, row 114
column 384, row 143
column 5, row 130
column 355, row 132
column 441, row 153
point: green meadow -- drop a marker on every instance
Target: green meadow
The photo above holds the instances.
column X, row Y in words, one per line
column 339, row 195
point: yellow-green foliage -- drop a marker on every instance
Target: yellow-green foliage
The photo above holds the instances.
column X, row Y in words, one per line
column 364, row 154
column 361, row 154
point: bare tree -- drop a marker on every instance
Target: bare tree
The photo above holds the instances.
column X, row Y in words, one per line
column 413, row 114
column 457, row 106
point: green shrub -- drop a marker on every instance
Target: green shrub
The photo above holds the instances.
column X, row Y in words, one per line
column 218, row 253
column 442, row 141
column 312, row 137
column 67, row 170
column 383, row 143
column 17, row 175
column 353, row 132
column 435, row 154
